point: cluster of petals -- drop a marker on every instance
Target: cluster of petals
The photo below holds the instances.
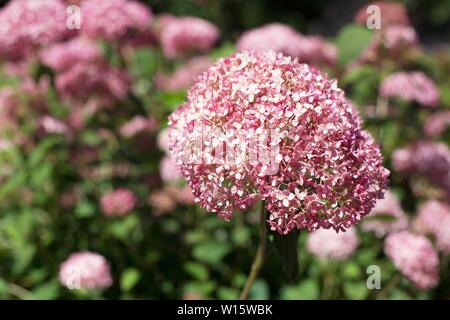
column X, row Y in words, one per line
column 180, row 36
column 184, row 76
column 411, row 86
column 391, row 13
column 291, row 139
column 386, row 217
column 27, row 25
column 137, row 125
column 169, row 171
column 85, row 270
column 415, row 257
column 119, row 202
column 434, row 219
column 114, row 20
column 428, row 159
column 282, row 38
column 330, row 245
column 63, row 56
column 437, row 123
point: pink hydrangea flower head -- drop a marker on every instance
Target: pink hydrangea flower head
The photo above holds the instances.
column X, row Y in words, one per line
column 114, row 20
column 27, row 25
column 428, row 159
column 85, row 80
column 184, row 76
column 263, row 126
column 85, row 270
column 272, row 37
column 314, row 50
column 415, row 257
column 137, row 125
column 184, row 35
column 169, row 171
column 119, row 202
column 63, row 56
column 437, row 124
column 411, row 86
column 434, row 219
column 328, row 244
column 53, row 125
column 399, row 37
column 386, row 217
column 392, row 13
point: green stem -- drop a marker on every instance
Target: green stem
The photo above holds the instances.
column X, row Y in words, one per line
column 259, row 257
column 391, row 284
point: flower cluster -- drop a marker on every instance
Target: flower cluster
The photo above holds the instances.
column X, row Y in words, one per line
column 428, row 159
column 304, row 152
column 415, row 257
column 282, row 38
column 114, row 20
column 328, row 244
column 27, row 25
column 85, row 270
column 411, row 86
column 180, row 36
column 437, row 124
column 184, row 76
column 434, row 219
column 391, row 13
column 119, row 202
column 386, row 217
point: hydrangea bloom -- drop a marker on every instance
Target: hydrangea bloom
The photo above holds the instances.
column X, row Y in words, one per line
column 137, row 125
column 290, row 138
column 328, row 244
column 184, row 76
column 437, row 123
column 114, row 19
column 425, row 158
column 415, row 257
column 411, row 86
column 397, row 38
column 63, row 56
column 181, row 36
column 118, row 202
column 53, row 125
column 392, row 13
column 26, row 25
column 386, row 217
column 434, row 219
column 94, row 79
column 282, row 38
column 85, row 270
column 169, row 171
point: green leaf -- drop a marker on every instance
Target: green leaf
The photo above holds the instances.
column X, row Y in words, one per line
column 223, row 51
column 260, row 290
column 351, row 41
column 197, row 271
column 211, row 252
column 307, row 290
column 225, row 293
column 84, row 209
column 46, row 291
column 129, row 279
column 356, row 290
column 351, row 271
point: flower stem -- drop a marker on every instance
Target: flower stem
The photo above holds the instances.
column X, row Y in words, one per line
column 258, row 261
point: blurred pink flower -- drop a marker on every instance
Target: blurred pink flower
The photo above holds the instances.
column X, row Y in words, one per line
column 386, row 217
column 119, row 202
column 53, row 125
column 85, row 270
column 282, row 38
column 27, row 25
column 437, row 123
column 137, row 125
column 63, row 56
column 180, row 36
column 428, row 159
column 184, row 76
column 83, row 81
column 392, row 13
column 327, row 171
column 328, row 244
column 411, row 86
column 434, row 219
column 169, row 171
column 398, row 37
column 114, row 20
column 163, row 140
column 415, row 257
